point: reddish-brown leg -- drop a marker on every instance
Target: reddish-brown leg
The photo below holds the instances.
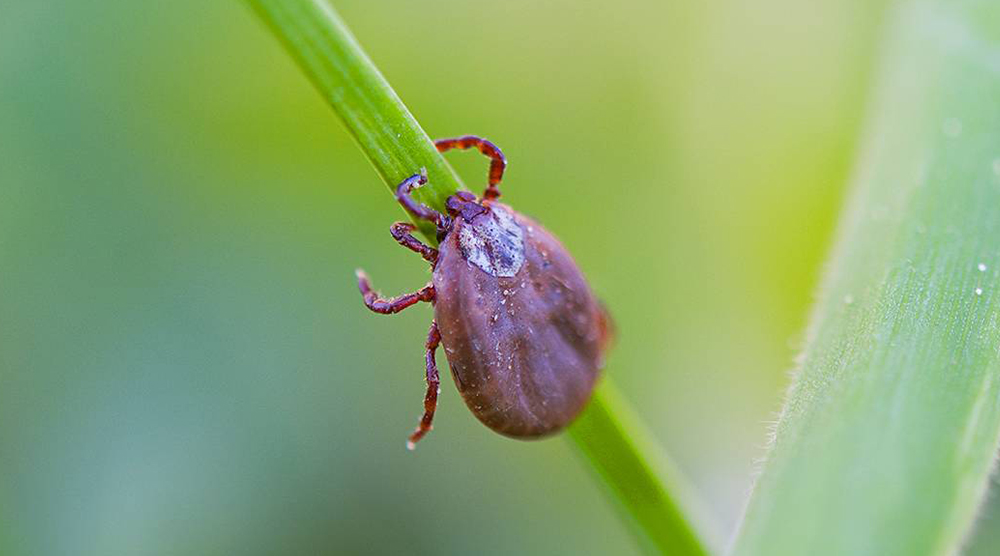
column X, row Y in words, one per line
column 497, row 164
column 415, row 208
column 401, row 233
column 394, row 305
column 433, row 388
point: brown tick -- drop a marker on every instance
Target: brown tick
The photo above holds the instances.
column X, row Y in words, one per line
column 524, row 335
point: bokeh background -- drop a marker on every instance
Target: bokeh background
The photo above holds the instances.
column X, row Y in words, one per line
column 185, row 364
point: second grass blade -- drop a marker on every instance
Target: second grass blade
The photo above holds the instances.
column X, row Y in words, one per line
column 889, row 433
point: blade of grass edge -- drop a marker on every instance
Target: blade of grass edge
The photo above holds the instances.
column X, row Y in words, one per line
column 654, row 500
column 617, row 445
column 891, row 426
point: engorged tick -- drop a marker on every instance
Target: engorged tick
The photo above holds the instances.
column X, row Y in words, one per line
column 524, row 335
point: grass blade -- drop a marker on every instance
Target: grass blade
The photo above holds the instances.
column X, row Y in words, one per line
column 890, row 430
column 380, row 123
column 396, row 145
column 648, row 489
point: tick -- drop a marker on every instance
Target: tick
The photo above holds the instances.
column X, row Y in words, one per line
column 523, row 333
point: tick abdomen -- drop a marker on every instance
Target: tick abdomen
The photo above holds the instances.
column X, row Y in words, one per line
column 522, row 331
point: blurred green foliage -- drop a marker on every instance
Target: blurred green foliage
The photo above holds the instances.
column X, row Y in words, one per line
column 185, row 365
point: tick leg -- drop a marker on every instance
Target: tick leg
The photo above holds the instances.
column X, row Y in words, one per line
column 394, row 305
column 401, row 233
column 497, row 164
column 433, row 388
column 415, row 208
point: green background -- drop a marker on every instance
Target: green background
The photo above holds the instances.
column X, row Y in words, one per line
column 185, row 363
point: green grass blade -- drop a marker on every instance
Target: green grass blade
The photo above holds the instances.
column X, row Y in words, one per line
column 384, row 129
column 890, row 430
column 648, row 488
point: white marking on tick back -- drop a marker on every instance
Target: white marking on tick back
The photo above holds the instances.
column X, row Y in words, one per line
column 494, row 242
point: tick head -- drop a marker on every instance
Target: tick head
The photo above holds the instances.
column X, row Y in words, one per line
column 464, row 205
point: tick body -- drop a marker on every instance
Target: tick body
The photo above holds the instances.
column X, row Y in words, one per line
column 523, row 333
